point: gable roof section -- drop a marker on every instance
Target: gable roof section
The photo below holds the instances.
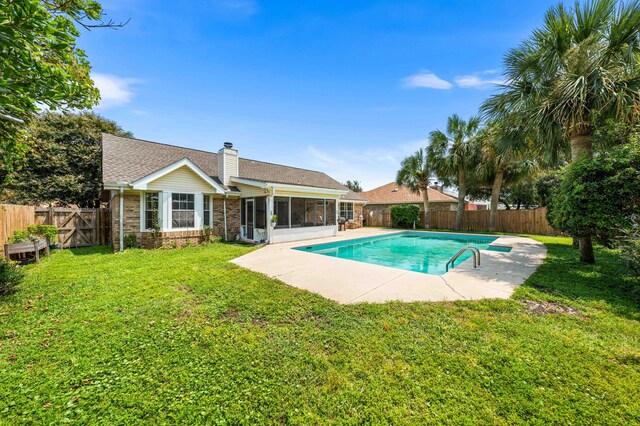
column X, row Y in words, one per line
column 184, row 162
column 393, row 193
column 129, row 160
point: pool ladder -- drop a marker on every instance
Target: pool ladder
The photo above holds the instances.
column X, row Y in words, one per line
column 472, row 249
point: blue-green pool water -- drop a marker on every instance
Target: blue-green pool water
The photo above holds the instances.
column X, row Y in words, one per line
column 426, row 252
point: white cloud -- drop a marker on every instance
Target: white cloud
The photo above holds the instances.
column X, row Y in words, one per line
column 477, row 81
column 426, row 79
column 114, row 91
column 321, row 157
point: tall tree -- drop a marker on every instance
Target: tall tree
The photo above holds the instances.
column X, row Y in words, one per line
column 41, row 65
column 454, row 155
column 503, row 161
column 415, row 172
column 354, row 185
column 63, row 164
column 579, row 69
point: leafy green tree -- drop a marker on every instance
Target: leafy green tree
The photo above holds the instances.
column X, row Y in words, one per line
column 545, row 185
column 63, row 164
column 579, row 69
column 354, row 185
column 599, row 196
column 415, row 172
column 521, row 194
column 454, row 155
column 41, row 65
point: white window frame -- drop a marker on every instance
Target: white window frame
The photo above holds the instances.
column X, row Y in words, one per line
column 197, row 201
column 210, row 210
column 143, row 210
column 353, row 210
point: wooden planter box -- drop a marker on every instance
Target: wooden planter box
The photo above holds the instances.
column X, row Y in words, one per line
column 23, row 249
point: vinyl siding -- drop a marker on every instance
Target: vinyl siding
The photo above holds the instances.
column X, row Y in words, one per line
column 227, row 164
column 251, row 191
column 182, row 179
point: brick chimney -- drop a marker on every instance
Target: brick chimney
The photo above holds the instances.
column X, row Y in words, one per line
column 227, row 163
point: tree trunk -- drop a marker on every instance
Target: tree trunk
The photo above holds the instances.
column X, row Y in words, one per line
column 582, row 149
column 462, row 190
column 425, row 201
column 495, row 199
column 586, row 249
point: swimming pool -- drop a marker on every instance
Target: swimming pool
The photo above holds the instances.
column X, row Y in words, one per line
column 426, row 252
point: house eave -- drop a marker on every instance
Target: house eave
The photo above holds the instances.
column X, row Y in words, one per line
column 287, row 187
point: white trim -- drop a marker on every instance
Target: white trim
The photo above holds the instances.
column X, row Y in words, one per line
column 195, row 211
column 249, row 182
column 287, row 187
column 121, row 219
column 142, row 183
column 143, row 210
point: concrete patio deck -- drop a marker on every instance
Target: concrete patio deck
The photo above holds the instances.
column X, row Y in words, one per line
column 347, row 281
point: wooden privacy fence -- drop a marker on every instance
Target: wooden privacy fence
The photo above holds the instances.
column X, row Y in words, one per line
column 512, row 221
column 14, row 218
column 377, row 218
column 77, row 227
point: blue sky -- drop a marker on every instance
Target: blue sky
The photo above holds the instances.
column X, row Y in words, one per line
column 346, row 87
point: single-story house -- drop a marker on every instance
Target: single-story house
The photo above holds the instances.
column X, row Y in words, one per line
column 177, row 195
column 380, row 199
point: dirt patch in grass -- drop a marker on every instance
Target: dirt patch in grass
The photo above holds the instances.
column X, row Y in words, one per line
column 544, row 308
column 231, row 313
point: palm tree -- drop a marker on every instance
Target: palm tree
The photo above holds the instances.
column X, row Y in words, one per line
column 454, row 155
column 503, row 160
column 414, row 173
column 579, row 69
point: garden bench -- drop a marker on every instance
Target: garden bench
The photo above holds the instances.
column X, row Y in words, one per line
column 23, row 249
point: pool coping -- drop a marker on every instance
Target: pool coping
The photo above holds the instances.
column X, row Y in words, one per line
column 348, row 281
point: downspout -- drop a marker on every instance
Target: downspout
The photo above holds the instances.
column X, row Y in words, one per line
column 224, row 215
column 272, row 193
column 121, row 220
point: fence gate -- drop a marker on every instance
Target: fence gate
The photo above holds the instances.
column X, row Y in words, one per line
column 77, row 227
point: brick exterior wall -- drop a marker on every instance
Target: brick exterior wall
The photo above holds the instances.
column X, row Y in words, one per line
column 131, row 223
column 358, row 210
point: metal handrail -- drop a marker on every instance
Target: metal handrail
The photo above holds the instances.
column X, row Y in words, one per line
column 475, row 250
column 476, row 257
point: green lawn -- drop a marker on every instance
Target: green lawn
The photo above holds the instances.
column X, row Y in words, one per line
column 178, row 336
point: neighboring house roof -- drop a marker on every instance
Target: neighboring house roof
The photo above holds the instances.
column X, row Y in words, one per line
column 355, row 196
column 128, row 160
column 393, row 193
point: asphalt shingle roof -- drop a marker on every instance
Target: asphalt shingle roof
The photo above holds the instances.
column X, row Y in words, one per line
column 127, row 160
column 393, row 193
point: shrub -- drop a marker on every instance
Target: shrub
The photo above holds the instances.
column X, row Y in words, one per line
column 19, row 236
column 405, row 215
column 44, row 231
column 596, row 197
column 207, row 233
column 130, row 241
column 10, row 277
